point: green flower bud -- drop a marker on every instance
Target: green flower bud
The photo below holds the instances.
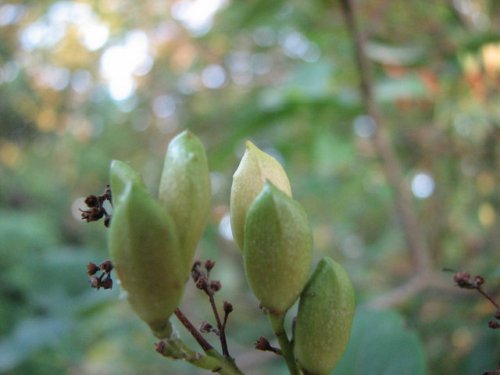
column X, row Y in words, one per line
column 278, row 249
column 121, row 175
column 256, row 167
column 185, row 191
column 324, row 319
column 145, row 253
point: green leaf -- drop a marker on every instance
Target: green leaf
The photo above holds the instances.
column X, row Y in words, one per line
column 29, row 336
column 409, row 87
column 381, row 344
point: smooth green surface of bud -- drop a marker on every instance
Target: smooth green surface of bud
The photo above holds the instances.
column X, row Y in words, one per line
column 256, row 167
column 278, row 249
column 145, row 253
column 185, row 191
column 121, row 174
column 324, row 319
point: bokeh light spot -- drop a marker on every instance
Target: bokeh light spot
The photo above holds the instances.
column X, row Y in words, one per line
column 422, row 185
column 11, row 14
column 213, row 76
column 196, row 15
column 10, row 154
column 46, row 120
column 487, row 215
column 120, row 63
column 164, row 106
column 225, row 228
column 364, row 126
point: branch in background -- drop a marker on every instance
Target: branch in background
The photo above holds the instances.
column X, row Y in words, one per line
column 412, row 231
column 415, row 285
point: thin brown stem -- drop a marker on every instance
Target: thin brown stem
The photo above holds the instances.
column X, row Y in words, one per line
column 264, row 345
column 205, row 345
column 412, row 231
column 488, row 297
column 220, row 326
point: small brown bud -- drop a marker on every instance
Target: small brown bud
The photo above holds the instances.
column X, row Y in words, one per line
column 195, row 271
column 92, row 268
column 262, row 344
column 95, row 282
column 206, row 327
column 209, row 264
column 493, row 324
column 161, row 347
column 202, row 283
column 93, row 214
column 463, row 280
column 107, row 283
column 215, row 285
column 106, row 266
column 92, row 201
column 478, row 280
column 228, row 307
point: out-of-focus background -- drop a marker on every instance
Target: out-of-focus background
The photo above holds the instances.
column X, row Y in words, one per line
column 85, row 82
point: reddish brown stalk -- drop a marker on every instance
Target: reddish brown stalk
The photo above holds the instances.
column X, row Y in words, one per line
column 205, row 345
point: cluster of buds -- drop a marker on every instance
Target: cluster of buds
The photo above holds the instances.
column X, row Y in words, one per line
column 201, row 277
column 100, row 275
column 273, row 233
column 465, row 281
column 271, row 229
column 96, row 210
column 152, row 244
column 200, row 272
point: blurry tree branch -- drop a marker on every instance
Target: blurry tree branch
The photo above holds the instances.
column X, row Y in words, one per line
column 392, row 168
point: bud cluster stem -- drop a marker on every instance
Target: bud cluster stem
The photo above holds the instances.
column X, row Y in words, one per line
column 212, row 360
column 220, row 326
column 205, row 345
column 153, row 241
column 278, row 326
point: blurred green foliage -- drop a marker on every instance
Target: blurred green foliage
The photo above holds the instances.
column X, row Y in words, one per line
column 82, row 83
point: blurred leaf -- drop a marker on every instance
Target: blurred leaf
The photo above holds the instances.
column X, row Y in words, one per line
column 29, row 336
column 331, row 154
column 409, row 86
column 308, row 83
column 380, row 344
column 25, row 231
column 394, row 55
